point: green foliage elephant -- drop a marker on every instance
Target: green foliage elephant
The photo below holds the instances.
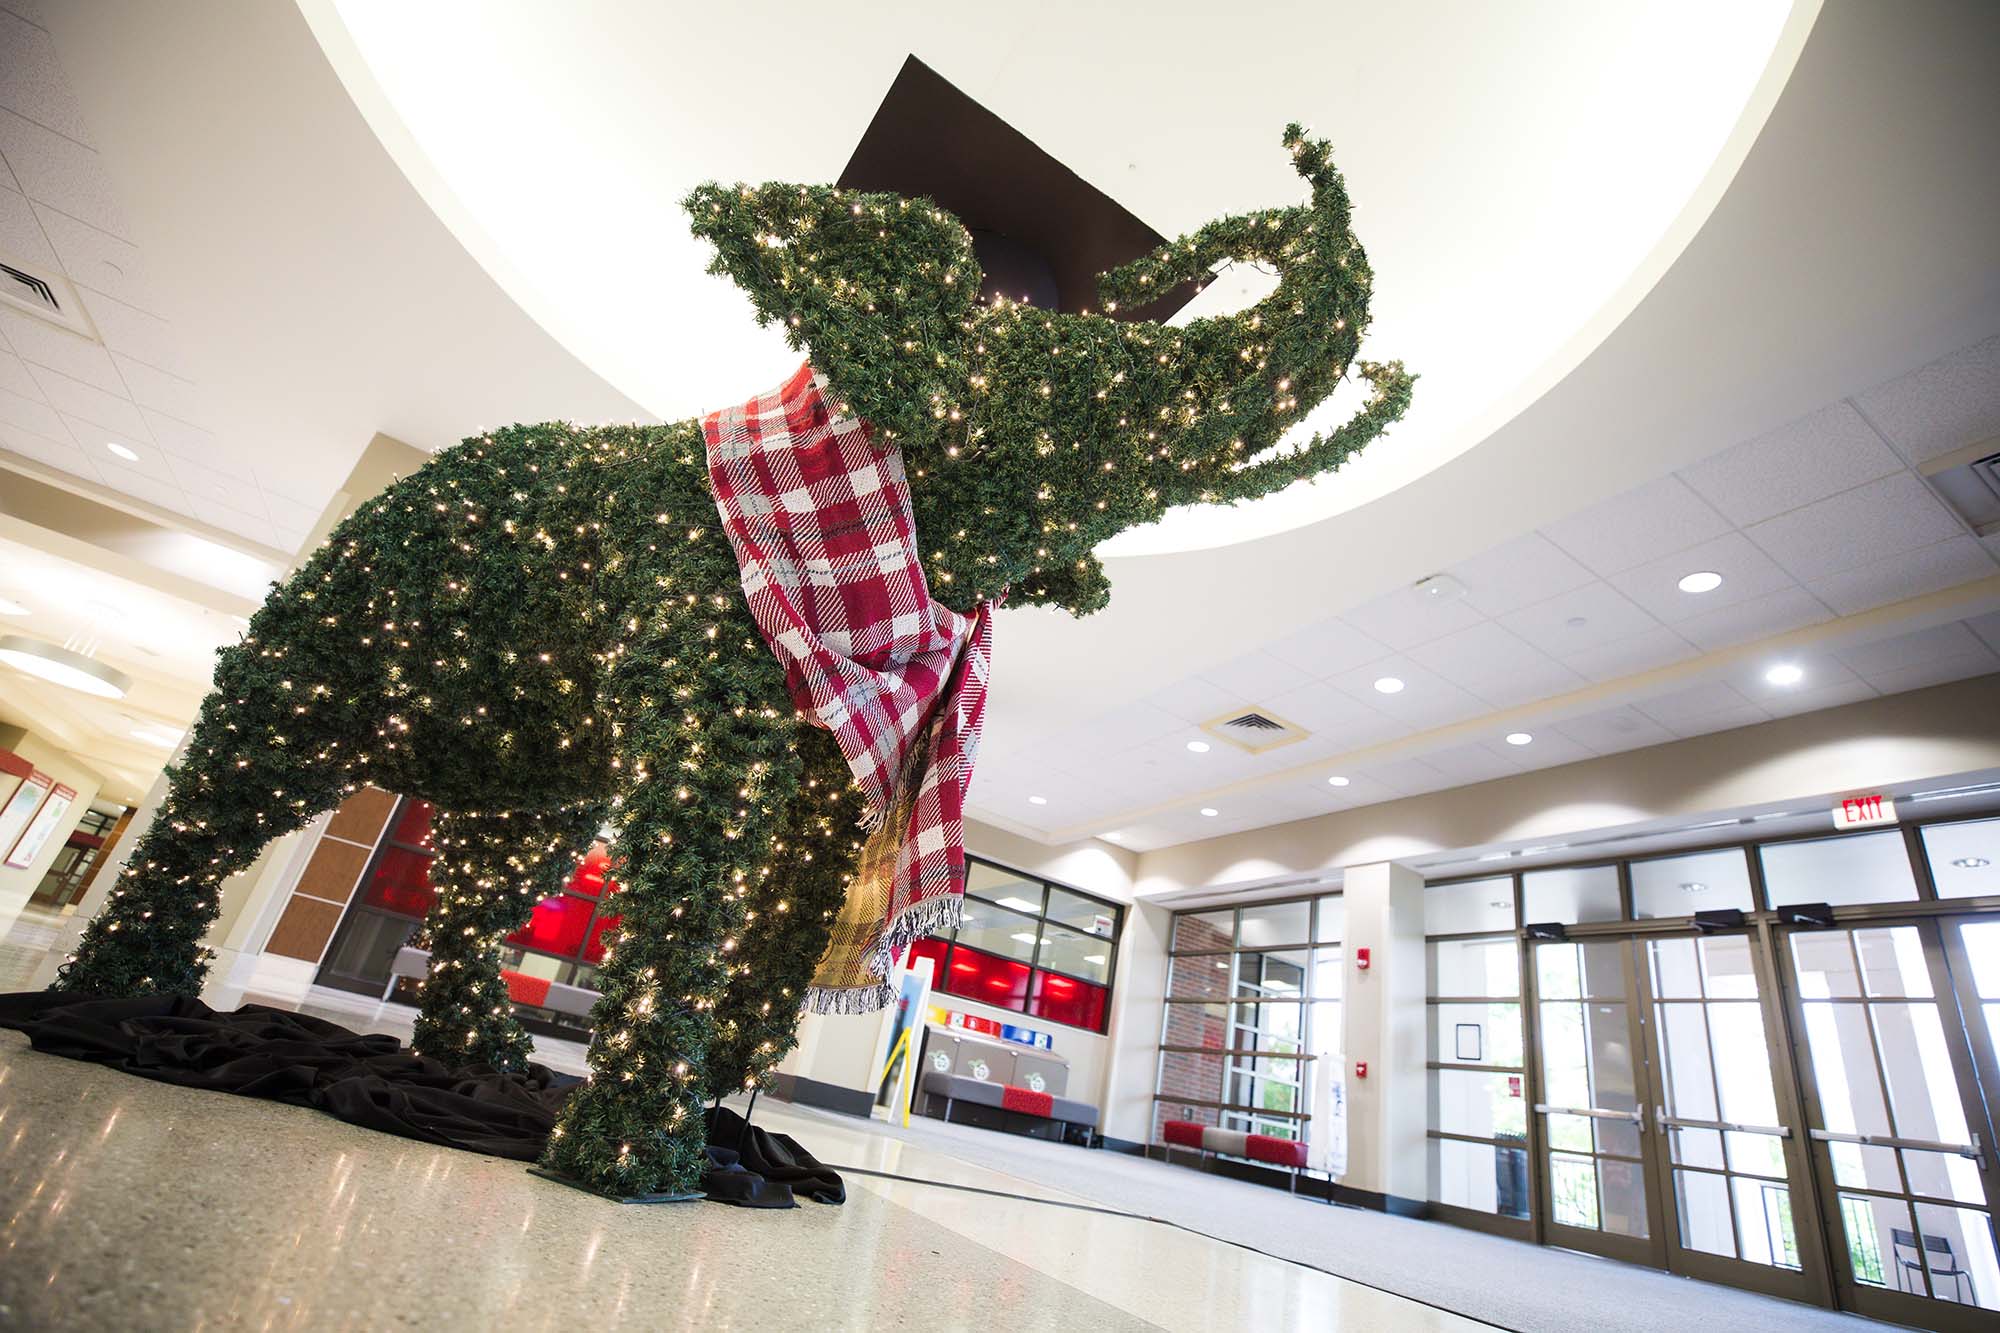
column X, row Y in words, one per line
column 542, row 630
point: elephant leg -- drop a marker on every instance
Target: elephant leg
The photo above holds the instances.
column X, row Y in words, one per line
column 491, row 870
column 703, row 783
column 790, row 909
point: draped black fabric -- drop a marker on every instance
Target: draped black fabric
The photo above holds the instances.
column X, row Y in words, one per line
column 370, row 1080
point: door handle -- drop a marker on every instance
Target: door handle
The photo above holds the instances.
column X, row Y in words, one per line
column 1973, row 1149
column 1636, row 1115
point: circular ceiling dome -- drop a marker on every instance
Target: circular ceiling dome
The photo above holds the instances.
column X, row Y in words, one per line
column 1522, row 174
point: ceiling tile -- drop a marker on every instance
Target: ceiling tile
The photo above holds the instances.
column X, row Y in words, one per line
column 1952, row 402
column 1578, row 620
column 1710, row 696
column 1329, row 647
column 1322, row 709
column 291, row 516
column 98, row 260
column 1427, row 699
column 41, row 343
column 1746, row 573
column 7, row 180
column 1643, row 524
column 205, row 483
column 1911, row 574
column 149, row 463
column 1870, row 522
column 86, row 407
column 231, row 519
column 32, row 83
column 1931, row 673
column 61, row 173
column 1912, row 649
column 1404, row 618
column 1836, row 695
column 1819, row 455
column 61, row 453
column 1749, row 715
column 1256, row 676
column 32, row 415
column 1987, row 627
column 1470, row 763
column 155, row 389
column 20, row 234
column 1496, row 665
column 1518, row 573
column 1408, row 777
column 1191, row 700
column 14, row 378
column 1624, row 657
column 1761, row 617
column 1613, row 730
column 1822, row 671
column 132, row 332
column 142, row 487
column 1549, row 749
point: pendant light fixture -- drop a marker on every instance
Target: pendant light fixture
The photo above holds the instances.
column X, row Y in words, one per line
column 51, row 662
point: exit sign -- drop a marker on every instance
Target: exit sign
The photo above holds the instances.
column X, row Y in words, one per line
column 1864, row 811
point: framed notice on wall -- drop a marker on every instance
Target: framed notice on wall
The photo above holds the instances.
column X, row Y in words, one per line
column 21, row 807
column 40, row 827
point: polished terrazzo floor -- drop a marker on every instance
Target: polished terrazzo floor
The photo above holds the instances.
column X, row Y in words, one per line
column 131, row 1204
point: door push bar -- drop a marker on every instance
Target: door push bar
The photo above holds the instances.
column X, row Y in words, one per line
column 1666, row 1121
column 1972, row 1149
column 1637, row 1116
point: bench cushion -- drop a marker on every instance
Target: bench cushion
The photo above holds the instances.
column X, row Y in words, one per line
column 1027, row 1101
column 1182, row 1133
column 1234, row 1142
column 1278, row 1152
column 1074, row 1112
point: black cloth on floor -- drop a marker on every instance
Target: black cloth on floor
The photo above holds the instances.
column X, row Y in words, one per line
column 370, row 1080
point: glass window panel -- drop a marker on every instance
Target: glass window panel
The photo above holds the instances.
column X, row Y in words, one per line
column 1697, row 1147
column 1573, row 1190
column 1558, row 972
column 1570, row 970
column 1004, row 887
column 1571, row 896
column 1205, row 1025
column 1571, row 1133
column 1757, row 1154
column 1276, row 923
column 604, row 933
column 932, row 948
column 1199, row 977
column 558, row 925
column 1843, row 1067
column 1684, row 885
column 1062, row 1000
column 1858, row 868
column 1685, row 1061
column 1823, row 961
column 1706, row 1224
column 1676, row 970
column 1080, row 955
column 1622, row 1188
column 1869, row 1224
column 1764, row 1227
column 1000, row 982
column 1273, row 1026
column 1944, row 1175
column 1892, row 962
column 996, row 931
column 1326, row 1038
column 1204, row 930
column 1490, row 966
column 1278, row 974
column 1964, row 858
column 1487, row 1106
column 1923, row 1090
column 1958, row 1251
column 1326, row 975
column 1982, row 950
column 1742, row 1063
column 1330, row 920
column 1266, row 1094
column 1617, row 1137
column 1727, row 969
column 1587, row 1056
column 592, row 873
column 1460, row 909
column 1863, row 1166
column 1480, row 1034
column 413, row 823
column 401, row 883
column 1480, row 1177
column 1084, row 915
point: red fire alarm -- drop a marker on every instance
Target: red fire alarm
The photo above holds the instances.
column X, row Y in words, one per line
column 1361, row 959
column 1361, row 1069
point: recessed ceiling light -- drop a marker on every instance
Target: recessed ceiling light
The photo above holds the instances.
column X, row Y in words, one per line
column 1519, row 738
column 129, row 455
column 1210, row 811
column 1022, row 937
column 1972, row 863
column 1785, row 673
column 1702, row 580
column 10, row 607
column 1389, row 685
column 1199, row 747
column 1038, row 800
column 1694, row 886
column 1337, row 781
column 1018, row 904
column 1097, row 959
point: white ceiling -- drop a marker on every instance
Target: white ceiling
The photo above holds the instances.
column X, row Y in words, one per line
column 1821, row 520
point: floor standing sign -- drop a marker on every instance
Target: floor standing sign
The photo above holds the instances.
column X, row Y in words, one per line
column 1328, row 1134
column 913, row 994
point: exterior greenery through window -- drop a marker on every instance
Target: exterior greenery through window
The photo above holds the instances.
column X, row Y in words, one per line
column 1026, row 944
column 1253, row 999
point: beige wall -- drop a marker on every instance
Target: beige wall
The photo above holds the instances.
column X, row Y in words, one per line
column 17, row 885
column 1383, row 1015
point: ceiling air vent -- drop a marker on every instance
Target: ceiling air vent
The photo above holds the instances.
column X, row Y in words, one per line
column 1253, row 730
column 42, row 292
column 1969, row 481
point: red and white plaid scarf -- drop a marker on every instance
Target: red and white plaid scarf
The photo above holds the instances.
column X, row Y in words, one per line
column 818, row 513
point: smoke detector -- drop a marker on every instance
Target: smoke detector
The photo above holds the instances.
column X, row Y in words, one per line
column 1254, row 730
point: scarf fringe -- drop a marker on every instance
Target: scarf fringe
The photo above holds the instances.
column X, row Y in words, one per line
column 850, row 999
column 924, row 918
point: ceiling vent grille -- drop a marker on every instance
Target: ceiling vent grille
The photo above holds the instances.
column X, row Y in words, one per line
column 1253, row 730
column 42, row 293
column 1971, row 487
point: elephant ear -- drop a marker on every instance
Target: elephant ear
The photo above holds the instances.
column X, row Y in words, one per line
column 875, row 289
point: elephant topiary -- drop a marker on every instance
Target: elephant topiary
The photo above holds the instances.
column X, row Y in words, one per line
column 542, row 630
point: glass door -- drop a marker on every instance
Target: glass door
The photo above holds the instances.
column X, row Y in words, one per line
column 1593, row 1163
column 1728, row 1156
column 1897, row 1115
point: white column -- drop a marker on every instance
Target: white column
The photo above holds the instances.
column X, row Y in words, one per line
column 1383, row 1018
